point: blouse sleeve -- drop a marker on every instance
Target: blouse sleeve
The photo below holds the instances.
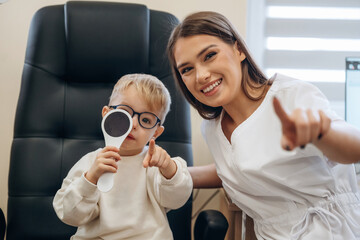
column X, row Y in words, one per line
column 307, row 96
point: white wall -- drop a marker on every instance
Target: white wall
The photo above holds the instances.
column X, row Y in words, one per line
column 15, row 17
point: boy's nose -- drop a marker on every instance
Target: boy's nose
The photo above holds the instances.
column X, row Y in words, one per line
column 135, row 121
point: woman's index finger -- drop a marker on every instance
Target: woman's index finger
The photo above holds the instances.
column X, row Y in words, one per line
column 280, row 112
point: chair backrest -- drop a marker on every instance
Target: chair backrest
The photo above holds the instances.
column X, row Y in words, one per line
column 75, row 54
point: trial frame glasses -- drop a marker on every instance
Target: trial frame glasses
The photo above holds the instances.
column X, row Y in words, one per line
column 147, row 120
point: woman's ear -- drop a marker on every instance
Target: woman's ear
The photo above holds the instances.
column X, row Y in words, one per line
column 242, row 56
column 158, row 132
column 105, row 110
column 239, row 51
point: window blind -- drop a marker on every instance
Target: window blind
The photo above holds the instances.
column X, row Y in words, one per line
column 306, row 39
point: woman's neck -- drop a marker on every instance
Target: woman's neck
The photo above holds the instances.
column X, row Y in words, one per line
column 242, row 107
column 238, row 111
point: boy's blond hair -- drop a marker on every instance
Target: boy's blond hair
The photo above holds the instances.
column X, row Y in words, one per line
column 150, row 88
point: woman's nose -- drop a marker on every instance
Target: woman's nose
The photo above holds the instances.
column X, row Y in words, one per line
column 202, row 75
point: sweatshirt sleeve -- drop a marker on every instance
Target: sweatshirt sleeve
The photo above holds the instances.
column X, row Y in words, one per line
column 173, row 193
column 76, row 202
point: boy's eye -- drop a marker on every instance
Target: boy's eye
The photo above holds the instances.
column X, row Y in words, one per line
column 209, row 55
column 146, row 120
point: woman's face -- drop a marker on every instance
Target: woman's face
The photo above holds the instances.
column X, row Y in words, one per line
column 210, row 68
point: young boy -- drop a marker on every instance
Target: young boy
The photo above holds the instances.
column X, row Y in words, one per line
column 147, row 181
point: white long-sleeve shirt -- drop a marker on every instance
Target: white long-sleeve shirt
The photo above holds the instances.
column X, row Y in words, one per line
column 135, row 208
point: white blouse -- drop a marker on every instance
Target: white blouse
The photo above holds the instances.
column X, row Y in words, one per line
column 297, row 194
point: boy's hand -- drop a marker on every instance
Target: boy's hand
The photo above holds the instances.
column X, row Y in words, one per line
column 301, row 126
column 105, row 162
column 158, row 157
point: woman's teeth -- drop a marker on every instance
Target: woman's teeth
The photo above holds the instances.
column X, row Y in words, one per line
column 211, row 87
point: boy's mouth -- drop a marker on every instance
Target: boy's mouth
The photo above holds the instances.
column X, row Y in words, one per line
column 130, row 137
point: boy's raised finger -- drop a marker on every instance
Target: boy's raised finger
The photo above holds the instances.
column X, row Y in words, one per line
column 146, row 161
column 151, row 147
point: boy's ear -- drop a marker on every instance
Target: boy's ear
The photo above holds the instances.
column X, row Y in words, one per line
column 158, row 131
column 105, row 110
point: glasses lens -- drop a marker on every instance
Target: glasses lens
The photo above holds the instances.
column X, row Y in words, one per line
column 147, row 120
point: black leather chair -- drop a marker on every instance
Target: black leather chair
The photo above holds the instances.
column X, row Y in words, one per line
column 75, row 54
column 2, row 224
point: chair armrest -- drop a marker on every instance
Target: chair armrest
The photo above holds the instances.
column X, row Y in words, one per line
column 210, row 225
column 2, row 224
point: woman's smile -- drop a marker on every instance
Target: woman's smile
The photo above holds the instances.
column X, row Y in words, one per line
column 211, row 88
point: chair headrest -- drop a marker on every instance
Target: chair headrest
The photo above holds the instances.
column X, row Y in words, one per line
column 101, row 42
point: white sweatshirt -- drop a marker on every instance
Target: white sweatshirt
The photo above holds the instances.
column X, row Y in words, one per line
column 135, row 208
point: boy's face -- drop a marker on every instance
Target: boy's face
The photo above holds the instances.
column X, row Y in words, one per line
column 138, row 136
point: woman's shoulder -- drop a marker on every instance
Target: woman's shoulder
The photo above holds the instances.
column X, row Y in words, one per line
column 282, row 82
column 292, row 88
column 211, row 123
column 209, row 126
column 294, row 93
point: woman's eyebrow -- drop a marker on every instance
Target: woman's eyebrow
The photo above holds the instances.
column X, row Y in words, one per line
column 205, row 49
column 198, row 55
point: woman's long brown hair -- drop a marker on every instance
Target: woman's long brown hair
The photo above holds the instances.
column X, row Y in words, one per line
column 215, row 24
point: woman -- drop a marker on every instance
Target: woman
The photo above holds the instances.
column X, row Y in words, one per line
column 281, row 154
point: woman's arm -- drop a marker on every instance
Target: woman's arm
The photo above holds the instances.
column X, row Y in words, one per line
column 338, row 140
column 341, row 143
column 205, row 176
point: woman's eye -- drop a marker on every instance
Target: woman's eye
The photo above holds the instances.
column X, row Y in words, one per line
column 185, row 70
column 209, row 55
